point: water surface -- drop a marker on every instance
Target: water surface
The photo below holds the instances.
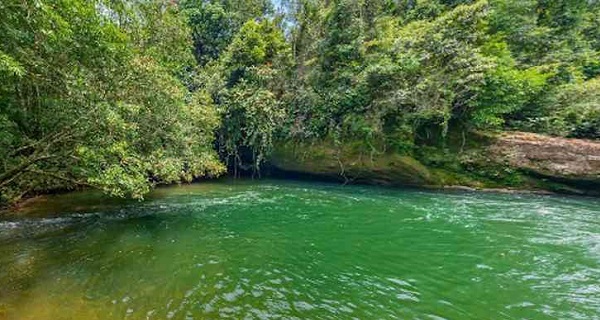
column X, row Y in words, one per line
column 284, row 250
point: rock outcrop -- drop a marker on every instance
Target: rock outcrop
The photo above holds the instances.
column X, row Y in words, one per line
column 573, row 162
column 548, row 156
column 349, row 165
column 539, row 162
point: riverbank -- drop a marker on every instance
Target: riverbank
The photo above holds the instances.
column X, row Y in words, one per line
column 510, row 162
column 506, row 162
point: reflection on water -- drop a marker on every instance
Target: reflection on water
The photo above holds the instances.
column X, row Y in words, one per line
column 273, row 249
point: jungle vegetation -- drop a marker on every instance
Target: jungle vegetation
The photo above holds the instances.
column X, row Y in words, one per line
column 123, row 95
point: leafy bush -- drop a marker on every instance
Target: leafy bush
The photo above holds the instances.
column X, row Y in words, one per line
column 575, row 110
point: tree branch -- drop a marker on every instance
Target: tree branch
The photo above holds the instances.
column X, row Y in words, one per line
column 8, row 176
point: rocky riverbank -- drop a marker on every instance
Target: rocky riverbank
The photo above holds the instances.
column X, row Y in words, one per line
column 510, row 161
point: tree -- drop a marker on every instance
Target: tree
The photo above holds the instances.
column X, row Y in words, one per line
column 88, row 100
column 247, row 95
column 215, row 23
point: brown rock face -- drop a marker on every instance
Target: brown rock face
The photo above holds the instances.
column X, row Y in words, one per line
column 570, row 159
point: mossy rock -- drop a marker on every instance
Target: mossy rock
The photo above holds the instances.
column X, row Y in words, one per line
column 516, row 161
column 350, row 163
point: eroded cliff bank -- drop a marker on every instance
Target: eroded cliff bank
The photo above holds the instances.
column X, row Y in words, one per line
column 510, row 160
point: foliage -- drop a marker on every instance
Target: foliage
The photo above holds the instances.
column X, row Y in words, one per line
column 431, row 66
column 123, row 95
column 575, row 110
column 250, row 119
column 215, row 23
column 89, row 100
column 503, row 92
column 246, row 90
column 255, row 45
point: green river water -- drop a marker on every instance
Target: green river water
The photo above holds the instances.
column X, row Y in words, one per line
column 287, row 250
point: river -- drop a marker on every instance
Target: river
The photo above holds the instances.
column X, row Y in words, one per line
column 273, row 249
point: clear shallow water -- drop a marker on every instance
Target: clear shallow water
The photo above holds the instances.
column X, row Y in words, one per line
column 272, row 249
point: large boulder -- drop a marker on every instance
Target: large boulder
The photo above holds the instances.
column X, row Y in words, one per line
column 560, row 158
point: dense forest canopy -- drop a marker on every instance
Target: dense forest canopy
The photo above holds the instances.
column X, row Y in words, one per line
column 123, row 95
